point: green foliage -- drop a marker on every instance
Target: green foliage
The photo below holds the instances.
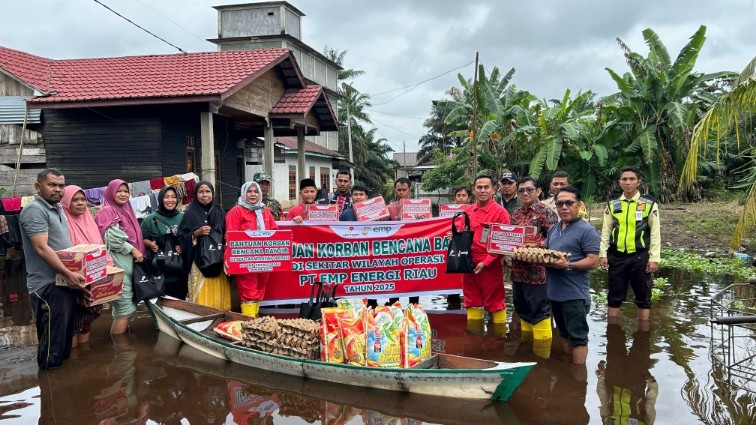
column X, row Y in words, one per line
column 660, row 282
column 699, row 264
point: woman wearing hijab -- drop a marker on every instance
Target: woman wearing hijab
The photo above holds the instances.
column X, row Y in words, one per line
column 123, row 237
column 83, row 230
column 165, row 221
column 250, row 213
column 202, row 217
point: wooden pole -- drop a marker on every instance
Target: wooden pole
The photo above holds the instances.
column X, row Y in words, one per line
column 474, row 129
column 349, row 139
column 20, row 152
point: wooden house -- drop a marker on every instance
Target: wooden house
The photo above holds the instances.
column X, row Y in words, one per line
column 139, row 117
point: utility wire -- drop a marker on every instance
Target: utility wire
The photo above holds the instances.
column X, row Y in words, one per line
column 414, row 86
column 395, row 115
column 140, row 27
column 396, row 129
column 173, row 22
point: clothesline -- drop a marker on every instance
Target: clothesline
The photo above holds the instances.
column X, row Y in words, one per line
column 143, row 194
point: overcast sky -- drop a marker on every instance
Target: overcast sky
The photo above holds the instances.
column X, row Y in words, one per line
column 553, row 45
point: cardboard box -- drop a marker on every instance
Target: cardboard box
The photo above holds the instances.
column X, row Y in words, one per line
column 505, row 238
column 107, row 289
column 317, row 212
column 413, row 208
column 88, row 260
column 448, row 210
column 371, row 209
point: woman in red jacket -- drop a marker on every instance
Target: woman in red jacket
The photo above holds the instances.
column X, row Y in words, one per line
column 250, row 213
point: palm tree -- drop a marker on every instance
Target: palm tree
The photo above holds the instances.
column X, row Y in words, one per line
column 338, row 57
column 732, row 110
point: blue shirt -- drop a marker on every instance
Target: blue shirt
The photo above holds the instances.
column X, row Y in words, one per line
column 579, row 239
column 348, row 215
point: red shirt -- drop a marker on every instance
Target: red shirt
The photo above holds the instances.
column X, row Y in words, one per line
column 240, row 218
column 492, row 212
column 297, row 210
column 395, row 210
column 542, row 217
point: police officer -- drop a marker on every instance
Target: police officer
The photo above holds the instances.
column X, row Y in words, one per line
column 630, row 244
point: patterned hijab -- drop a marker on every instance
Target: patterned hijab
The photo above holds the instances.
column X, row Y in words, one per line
column 256, row 208
column 123, row 215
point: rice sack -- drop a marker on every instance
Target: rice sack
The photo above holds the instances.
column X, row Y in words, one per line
column 383, row 339
column 354, row 337
column 416, row 336
column 331, row 345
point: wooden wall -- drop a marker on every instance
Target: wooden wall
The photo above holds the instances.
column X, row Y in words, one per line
column 34, row 157
column 260, row 96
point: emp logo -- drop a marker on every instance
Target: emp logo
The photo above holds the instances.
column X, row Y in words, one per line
column 382, row 229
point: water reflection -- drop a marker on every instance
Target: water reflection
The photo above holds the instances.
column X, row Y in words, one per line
column 152, row 378
column 625, row 386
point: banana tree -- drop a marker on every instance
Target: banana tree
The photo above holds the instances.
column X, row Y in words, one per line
column 655, row 102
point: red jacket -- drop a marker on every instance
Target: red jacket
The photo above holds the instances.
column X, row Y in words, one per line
column 492, row 212
column 240, row 218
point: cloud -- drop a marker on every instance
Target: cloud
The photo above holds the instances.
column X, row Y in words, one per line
column 552, row 45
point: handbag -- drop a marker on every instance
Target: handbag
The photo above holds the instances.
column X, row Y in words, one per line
column 166, row 259
column 323, row 298
column 209, row 254
column 459, row 257
column 148, row 282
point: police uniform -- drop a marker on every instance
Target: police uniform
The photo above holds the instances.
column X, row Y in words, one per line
column 630, row 238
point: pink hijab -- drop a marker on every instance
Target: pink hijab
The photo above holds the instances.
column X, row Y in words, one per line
column 82, row 228
column 112, row 213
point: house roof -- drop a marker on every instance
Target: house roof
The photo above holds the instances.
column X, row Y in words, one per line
column 296, row 102
column 408, row 159
column 290, row 144
column 187, row 77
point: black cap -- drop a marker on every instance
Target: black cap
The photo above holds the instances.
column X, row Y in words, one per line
column 307, row 183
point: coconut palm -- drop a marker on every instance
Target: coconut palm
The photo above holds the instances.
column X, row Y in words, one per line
column 732, row 112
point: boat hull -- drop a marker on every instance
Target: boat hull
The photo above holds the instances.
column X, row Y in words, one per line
column 497, row 383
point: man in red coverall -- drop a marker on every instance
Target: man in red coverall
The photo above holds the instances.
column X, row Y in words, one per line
column 484, row 288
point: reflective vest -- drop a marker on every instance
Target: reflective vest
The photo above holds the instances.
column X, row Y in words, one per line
column 630, row 229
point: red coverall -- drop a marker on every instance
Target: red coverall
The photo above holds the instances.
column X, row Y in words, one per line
column 485, row 289
column 251, row 286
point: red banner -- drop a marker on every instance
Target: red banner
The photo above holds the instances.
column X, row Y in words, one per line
column 317, row 212
column 372, row 259
column 414, row 208
column 257, row 251
column 448, row 210
column 371, row 210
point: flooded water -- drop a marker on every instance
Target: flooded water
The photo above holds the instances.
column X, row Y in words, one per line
column 679, row 370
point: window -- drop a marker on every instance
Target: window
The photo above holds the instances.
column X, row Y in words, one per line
column 312, row 173
column 278, row 155
column 191, row 155
column 292, row 182
column 325, row 177
column 254, row 155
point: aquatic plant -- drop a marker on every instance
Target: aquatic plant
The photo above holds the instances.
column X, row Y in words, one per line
column 660, row 282
column 699, row 264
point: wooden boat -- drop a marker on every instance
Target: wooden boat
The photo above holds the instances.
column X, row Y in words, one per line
column 309, row 398
column 441, row 375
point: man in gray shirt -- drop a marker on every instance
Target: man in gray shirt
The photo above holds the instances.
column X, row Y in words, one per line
column 44, row 230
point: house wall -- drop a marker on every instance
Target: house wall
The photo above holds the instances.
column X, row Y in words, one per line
column 92, row 147
column 34, row 157
column 260, row 96
column 281, row 176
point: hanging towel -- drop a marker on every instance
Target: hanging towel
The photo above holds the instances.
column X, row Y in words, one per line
column 188, row 176
column 140, row 188
column 3, row 225
column 154, row 199
column 180, row 190
column 172, row 181
column 11, row 204
column 95, row 196
column 141, row 206
column 189, row 192
column 26, row 200
column 157, row 184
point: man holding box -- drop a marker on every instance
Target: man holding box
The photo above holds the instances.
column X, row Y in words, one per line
column 44, row 229
column 483, row 288
column 529, row 280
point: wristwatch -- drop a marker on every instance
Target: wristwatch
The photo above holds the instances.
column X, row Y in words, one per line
column 570, row 267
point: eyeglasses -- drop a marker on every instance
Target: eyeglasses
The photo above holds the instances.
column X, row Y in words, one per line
column 569, row 203
column 526, row 189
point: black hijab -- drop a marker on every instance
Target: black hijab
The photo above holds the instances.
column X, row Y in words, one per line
column 196, row 216
column 161, row 205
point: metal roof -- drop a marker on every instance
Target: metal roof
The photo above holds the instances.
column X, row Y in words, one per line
column 13, row 108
